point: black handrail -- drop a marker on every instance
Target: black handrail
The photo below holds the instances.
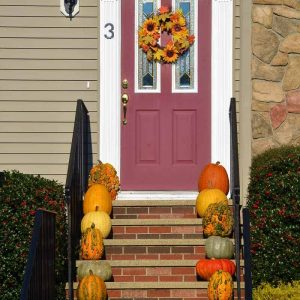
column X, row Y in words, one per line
column 39, row 277
column 235, row 189
column 76, row 185
column 247, row 254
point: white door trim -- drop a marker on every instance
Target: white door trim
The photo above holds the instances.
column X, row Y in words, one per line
column 110, row 81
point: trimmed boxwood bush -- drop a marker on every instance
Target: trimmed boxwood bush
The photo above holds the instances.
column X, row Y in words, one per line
column 283, row 291
column 274, row 204
column 20, row 196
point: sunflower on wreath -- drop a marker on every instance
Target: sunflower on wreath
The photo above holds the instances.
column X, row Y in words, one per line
column 174, row 24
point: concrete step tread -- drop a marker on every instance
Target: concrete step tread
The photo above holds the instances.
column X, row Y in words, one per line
column 155, row 285
column 156, row 242
column 156, row 222
column 152, row 263
column 155, row 203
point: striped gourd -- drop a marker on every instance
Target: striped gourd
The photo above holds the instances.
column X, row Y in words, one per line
column 220, row 286
column 91, row 287
column 92, row 243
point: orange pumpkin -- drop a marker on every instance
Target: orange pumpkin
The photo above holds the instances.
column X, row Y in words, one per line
column 97, row 195
column 91, row 287
column 207, row 197
column 92, row 244
column 220, row 286
column 206, row 267
column 214, row 176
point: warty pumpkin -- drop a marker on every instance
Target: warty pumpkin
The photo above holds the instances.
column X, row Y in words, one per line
column 92, row 244
column 214, row 176
column 207, row 197
column 220, row 286
column 101, row 268
column 206, row 267
column 218, row 220
column 106, row 174
column 97, row 195
column 219, row 247
column 101, row 219
column 91, row 287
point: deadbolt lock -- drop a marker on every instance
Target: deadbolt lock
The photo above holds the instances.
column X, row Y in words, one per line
column 125, row 84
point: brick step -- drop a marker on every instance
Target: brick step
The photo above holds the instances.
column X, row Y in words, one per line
column 121, row 249
column 154, row 209
column 153, row 263
column 156, row 290
column 157, row 203
column 156, row 229
column 154, row 271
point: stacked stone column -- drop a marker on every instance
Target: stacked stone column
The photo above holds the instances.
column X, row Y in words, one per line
column 275, row 74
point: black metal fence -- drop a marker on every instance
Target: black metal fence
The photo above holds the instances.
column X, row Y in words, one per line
column 76, row 185
column 235, row 195
column 39, row 277
column 235, row 188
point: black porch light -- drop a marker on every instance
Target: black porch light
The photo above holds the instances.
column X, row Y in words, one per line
column 69, row 7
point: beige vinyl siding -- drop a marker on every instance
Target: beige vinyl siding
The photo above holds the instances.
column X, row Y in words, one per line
column 46, row 61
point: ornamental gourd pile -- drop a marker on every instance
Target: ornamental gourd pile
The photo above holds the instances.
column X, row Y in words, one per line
column 212, row 206
column 95, row 226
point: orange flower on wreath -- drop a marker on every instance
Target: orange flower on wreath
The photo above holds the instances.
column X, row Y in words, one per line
column 150, row 26
column 170, row 53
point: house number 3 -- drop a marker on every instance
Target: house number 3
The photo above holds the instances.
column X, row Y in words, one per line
column 110, row 31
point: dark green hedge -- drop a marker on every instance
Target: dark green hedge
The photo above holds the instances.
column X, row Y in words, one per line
column 274, row 204
column 20, row 196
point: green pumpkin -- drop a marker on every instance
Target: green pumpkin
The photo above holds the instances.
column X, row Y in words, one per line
column 100, row 268
column 219, row 247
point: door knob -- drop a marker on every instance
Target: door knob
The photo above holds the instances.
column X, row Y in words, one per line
column 125, row 100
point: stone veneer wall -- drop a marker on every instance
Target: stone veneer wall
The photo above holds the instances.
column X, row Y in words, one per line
column 275, row 73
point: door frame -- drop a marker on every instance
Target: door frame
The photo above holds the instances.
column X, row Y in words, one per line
column 110, row 83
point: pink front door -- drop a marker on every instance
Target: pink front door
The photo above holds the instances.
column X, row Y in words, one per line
column 166, row 140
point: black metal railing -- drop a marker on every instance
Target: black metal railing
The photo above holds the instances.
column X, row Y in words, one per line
column 76, row 185
column 235, row 189
column 247, row 254
column 39, row 277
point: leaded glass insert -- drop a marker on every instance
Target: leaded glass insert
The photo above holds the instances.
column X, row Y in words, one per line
column 185, row 66
column 147, row 71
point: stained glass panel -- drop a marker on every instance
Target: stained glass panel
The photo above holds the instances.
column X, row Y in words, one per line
column 185, row 66
column 147, row 71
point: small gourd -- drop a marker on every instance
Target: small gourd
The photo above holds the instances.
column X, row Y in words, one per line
column 218, row 220
column 92, row 244
column 91, row 287
column 106, row 174
column 220, row 286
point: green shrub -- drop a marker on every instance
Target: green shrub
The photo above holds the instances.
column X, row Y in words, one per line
column 274, row 204
column 281, row 292
column 20, row 196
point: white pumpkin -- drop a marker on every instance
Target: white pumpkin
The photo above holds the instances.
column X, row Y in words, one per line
column 100, row 268
column 101, row 219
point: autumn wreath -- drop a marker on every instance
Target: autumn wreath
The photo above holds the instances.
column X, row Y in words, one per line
column 173, row 23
